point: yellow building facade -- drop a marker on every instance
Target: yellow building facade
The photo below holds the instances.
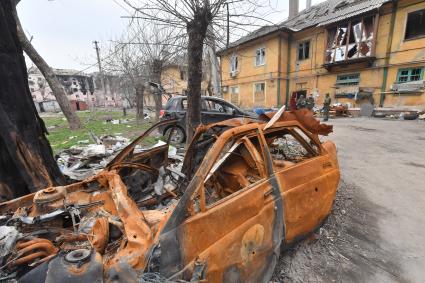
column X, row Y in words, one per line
column 174, row 80
column 357, row 51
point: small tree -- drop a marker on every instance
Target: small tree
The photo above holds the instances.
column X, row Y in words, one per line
column 58, row 91
column 127, row 62
column 198, row 18
column 158, row 45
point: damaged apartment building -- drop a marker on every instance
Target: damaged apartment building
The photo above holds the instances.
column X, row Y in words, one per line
column 83, row 90
column 357, row 51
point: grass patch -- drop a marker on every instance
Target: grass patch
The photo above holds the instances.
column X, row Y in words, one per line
column 61, row 137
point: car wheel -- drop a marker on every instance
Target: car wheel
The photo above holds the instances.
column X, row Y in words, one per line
column 178, row 135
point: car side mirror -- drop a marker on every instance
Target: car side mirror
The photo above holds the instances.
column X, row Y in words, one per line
column 234, row 112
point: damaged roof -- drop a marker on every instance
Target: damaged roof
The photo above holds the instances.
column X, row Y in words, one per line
column 322, row 14
column 331, row 11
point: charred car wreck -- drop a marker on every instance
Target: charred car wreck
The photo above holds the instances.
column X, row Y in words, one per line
column 247, row 188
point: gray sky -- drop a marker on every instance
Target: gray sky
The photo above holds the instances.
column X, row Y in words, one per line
column 64, row 30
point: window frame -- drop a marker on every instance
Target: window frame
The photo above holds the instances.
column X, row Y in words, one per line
column 200, row 191
column 231, row 93
column 406, row 23
column 234, row 63
column 302, row 44
column 261, row 56
column 345, row 45
column 254, row 90
column 409, row 75
column 300, row 139
column 347, row 82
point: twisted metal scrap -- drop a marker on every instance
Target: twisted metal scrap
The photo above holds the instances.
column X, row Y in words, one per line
column 33, row 249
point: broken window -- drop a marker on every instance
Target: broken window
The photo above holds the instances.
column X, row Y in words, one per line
column 351, row 40
column 410, row 75
column 259, row 94
column 238, row 167
column 348, row 80
column 288, row 147
column 260, row 56
column 234, row 94
column 415, row 26
column 304, row 50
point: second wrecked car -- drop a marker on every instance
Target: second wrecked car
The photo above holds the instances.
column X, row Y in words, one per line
column 247, row 188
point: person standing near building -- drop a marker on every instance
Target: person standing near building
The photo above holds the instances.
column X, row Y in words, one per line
column 326, row 107
column 301, row 102
column 310, row 102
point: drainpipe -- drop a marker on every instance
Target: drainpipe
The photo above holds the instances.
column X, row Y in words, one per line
column 388, row 52
column 288, row 70
column 279, row 71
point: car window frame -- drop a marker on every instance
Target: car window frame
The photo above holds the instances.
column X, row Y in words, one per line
column 300, row 139
column 200, row 191
column 222, row 104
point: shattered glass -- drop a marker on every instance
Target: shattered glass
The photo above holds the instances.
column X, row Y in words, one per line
column 359, row 37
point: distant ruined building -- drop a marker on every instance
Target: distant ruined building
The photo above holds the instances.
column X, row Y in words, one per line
column 84, row 91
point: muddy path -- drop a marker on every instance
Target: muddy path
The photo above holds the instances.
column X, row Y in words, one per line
column 347, row 248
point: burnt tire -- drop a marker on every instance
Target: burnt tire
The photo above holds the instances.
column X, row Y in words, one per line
column 411, row 116
column 178, row 135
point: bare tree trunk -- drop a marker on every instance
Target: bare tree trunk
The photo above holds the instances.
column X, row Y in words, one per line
column 26, row 158
column 197, row 32
column 156, row 77
column 55, row 85
column 140, row 89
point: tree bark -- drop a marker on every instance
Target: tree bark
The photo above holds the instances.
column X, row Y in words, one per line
column 157, row 66
column 196, row 30
column 140, row 89
column 26, row 158
column 52, row 80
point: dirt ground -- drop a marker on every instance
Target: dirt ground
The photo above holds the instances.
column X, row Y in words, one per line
column 376, row 230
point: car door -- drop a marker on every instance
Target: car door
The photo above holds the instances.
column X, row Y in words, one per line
column 307, row 179
column 234, row 229
column 180, row 112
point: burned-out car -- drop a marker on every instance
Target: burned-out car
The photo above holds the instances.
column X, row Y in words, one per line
column 247, row 188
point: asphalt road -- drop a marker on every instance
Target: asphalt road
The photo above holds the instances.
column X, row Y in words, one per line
column 385, row 160
column 376, row 231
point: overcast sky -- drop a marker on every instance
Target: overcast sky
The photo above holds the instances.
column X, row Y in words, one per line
column 63, row 31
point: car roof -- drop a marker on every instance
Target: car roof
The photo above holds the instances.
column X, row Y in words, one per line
column 202, row 97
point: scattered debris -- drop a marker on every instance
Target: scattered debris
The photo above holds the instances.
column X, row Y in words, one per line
column 85, row 160
column 339, row 110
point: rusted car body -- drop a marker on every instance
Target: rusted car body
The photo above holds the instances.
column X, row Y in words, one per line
column 247, row 189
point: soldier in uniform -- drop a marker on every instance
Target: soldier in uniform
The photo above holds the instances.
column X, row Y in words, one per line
column 301, row 102
column 310, row 102
column 326, row 107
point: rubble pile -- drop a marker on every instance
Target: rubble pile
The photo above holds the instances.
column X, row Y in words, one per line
column 84, row 160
